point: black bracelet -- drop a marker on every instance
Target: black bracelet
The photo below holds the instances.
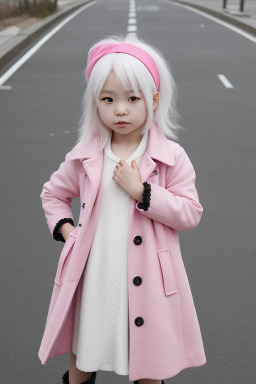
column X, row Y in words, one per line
column 57, row 235
column 146, row 197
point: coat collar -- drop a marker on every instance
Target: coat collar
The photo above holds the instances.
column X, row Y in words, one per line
column 158, row 148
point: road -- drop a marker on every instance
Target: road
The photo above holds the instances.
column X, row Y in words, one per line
column 40, row 110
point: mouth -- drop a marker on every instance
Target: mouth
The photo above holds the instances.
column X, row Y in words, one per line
column 122, row 124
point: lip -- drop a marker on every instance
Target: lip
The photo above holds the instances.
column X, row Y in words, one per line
column 122, row 124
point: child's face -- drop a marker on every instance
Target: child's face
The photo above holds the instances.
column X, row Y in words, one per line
column 114, row 106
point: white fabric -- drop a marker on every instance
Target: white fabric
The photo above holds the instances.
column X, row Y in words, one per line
column 101, row 338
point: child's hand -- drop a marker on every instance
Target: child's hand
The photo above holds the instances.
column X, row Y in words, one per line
column 128, row 178
column 66, row 229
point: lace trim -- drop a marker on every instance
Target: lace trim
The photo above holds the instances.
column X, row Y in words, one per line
column 58, row 236
column 146, row 197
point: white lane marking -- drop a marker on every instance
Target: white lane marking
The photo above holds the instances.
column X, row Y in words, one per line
column 225, row 24
column 131, row 28
column 38, row 45
column 225, row 81
column 5, row 87
column 132, row 21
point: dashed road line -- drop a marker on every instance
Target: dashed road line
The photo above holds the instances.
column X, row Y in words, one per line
column 132, row 21
column 225, row 81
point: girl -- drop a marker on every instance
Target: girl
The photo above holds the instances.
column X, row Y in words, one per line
column 127, row 308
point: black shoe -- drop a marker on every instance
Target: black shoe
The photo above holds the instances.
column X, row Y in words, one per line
column 65, row 378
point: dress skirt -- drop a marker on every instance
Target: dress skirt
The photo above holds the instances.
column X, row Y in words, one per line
column 101, row 327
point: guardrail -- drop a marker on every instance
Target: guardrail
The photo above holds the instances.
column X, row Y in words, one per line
column 241, row 5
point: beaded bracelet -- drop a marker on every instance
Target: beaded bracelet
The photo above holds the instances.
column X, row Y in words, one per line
column 146, row 197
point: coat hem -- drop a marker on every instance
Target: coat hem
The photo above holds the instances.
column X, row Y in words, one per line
column 44, row 357
column 165, row 375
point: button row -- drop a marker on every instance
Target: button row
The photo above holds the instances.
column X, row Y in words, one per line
column 83, row 205
column 138, row 280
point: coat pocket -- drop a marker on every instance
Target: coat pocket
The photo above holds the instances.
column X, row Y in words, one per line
column 168, row 276
column 66, row 251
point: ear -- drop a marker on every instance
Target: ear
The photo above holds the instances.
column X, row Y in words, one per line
column 155, row 100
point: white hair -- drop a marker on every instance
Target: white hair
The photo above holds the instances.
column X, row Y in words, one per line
column 131, row 73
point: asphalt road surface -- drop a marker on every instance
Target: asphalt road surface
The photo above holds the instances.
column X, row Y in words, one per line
column 40, row 111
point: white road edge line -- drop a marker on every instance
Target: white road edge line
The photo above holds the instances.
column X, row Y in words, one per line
column 225, row 24
column 35, row 48
column 225, row 81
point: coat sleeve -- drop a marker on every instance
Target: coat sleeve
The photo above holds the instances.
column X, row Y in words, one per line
column 57, row 195
column 176, row 205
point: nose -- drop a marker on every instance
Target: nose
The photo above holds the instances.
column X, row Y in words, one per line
column 121, row 110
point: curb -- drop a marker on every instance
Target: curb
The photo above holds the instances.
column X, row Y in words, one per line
column 220, row 15
column 13, row 47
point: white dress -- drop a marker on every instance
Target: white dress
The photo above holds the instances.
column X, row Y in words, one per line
column 100, row 339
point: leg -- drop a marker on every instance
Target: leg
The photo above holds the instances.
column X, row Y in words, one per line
column 149, row 381
column 75, row 375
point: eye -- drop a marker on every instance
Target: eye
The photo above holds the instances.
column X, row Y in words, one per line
column 134, row 97
column 110, row 98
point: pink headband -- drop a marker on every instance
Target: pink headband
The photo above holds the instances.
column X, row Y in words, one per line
column 105, row 49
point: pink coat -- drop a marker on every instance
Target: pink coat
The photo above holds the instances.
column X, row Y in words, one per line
column 164, row 332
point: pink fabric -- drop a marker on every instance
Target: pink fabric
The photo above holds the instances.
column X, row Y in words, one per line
column 170, row 339
column 105, row 49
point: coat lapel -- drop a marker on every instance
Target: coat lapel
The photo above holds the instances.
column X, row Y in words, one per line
column 93, row 168
column 158, row 148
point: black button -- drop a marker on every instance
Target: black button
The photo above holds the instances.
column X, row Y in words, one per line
column 80, row 225
column 137, row 280
column 137, row 240
column 139, row 321
column 83, row 205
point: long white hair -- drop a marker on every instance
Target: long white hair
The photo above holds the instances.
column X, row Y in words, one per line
column 131, row 73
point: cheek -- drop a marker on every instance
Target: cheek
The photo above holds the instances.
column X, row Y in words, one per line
column 143, row 111
column 103, row 111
